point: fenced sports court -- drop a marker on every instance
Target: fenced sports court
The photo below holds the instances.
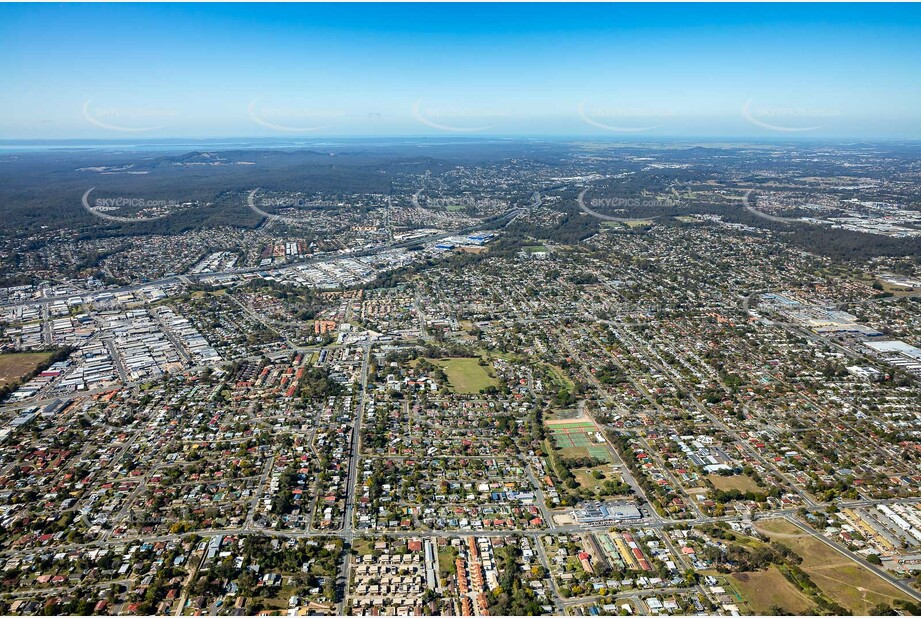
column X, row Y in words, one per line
column 577, row 434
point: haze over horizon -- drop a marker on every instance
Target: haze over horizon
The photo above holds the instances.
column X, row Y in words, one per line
column 130, row 72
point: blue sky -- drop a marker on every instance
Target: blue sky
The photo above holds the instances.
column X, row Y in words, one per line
column 125, row 71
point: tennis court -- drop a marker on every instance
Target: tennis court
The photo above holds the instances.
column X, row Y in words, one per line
column 575, row 434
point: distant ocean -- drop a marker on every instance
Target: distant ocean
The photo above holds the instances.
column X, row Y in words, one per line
column 162, row 145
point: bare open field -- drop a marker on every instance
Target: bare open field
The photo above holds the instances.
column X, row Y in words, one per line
column 840, row 578
column 764, row 590
column 739, row 481
column 15, row 366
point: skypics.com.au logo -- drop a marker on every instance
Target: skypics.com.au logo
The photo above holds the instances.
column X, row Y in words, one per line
column 142, row 210
column 623, row 203
column 421, row 200
column 126, row 118
column 293, row 119
column 788, row 119
column 457, row 119
column 623, row 120
column 259, row 204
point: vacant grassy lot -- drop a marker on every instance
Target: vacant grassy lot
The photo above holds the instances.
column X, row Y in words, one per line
column 202, row 294
column 638, row 222
column 766, row 589
column 15, row 366
column 629, row 224
column 558, row 377
column 465, row 375
column 446, row 557
column 586, row 480
column 739, row 481
column 840, row 578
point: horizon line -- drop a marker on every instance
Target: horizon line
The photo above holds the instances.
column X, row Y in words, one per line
column 464, row 137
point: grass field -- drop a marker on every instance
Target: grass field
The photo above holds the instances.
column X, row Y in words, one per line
column 446, row 557
column 897, row 290
column 638, row 222
column 560, row 378
column 15, row 366
column 585, row 479
column 202, row 294
column 739, row 481
column 840, row 578
column 465, row 375
column 763, row 590
column 629, row 223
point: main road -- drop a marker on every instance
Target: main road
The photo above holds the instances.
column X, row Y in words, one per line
column 493, row 222
column 348, row 524
column 901, row 585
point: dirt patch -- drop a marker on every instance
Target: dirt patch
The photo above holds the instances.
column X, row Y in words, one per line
column 15, row 366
